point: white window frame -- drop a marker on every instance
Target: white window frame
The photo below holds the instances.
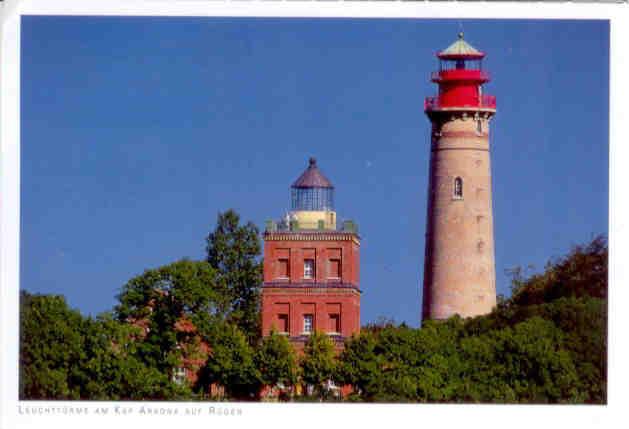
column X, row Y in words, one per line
column 308, row 324
column 309, row 268
column 179, row 375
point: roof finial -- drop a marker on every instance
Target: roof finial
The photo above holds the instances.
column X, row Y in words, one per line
column 461, row 35
column 312, row 162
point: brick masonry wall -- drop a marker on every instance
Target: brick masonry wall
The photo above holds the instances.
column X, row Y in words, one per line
column 320, row 302
column 323, row 295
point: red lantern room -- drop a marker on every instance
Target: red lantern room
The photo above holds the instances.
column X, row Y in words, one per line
column 460, row 79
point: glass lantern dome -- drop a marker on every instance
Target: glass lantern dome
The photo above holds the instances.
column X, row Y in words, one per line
column 312, row 191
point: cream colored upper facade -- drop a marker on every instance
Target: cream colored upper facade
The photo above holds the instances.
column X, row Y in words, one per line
column 310, row 219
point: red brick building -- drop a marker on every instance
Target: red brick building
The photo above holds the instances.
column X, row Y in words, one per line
column 311, row 266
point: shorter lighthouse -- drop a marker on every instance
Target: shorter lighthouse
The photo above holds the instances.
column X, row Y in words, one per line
column 459, row 271
column 311, row 266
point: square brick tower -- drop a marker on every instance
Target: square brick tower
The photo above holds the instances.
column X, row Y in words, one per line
column 311, row 267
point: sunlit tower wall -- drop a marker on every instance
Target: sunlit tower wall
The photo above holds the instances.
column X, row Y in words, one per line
column 459, row 267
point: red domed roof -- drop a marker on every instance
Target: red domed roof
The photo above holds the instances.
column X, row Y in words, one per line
column 312, row 177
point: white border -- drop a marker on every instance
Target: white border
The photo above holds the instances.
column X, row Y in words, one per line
column 299, row 414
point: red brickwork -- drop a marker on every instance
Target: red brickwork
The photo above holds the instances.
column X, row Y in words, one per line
column 330, row 294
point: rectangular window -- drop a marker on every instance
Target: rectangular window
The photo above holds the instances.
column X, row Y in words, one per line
column 282, row 323
column 309, row 268
column 282, row 268
column 308, row 323
column 179, row 375
column 335, row 324
column 335, row 268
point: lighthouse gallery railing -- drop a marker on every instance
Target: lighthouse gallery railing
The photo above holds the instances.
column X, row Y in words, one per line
column 485, row 102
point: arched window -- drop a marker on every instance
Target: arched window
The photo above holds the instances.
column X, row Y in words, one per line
column 458, row 188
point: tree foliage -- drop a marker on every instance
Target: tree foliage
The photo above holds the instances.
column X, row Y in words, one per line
column 159, row 299
column 583, row 272
column 66, row 356
column 232, row 364
column 276, row 361
column 51, row 345
column 318, row 362
column 547, row 343
column 233, row 250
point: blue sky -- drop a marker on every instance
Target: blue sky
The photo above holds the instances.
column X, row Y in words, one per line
column 136, row 132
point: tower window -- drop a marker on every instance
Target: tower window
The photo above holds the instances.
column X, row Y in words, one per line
column 179, row 375
column 283, row 323
column 458, row 188
column 308, row 319
column 335, row 323
column 479, row 126
column 335, row 269
column 282, row 268
column 309, row 268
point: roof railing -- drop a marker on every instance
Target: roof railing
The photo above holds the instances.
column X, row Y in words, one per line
column 295, row 225
column 434, row 103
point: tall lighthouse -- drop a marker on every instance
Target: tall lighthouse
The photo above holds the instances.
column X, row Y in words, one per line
column 459, row 270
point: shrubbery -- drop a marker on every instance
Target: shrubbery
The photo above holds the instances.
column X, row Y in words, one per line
column 547, row 343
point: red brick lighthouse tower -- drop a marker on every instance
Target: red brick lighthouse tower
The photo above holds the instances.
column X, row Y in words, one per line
column 311, row 266
column 459, row 271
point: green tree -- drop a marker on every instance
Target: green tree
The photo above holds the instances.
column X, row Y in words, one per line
column 66, row 356
column 160, row 298
column 231, row 364
column 112, row 370
column 318, row 363
column 537, row 367
column 583, row 322
column 583, row 272
column 51, row 348
column 360, row 366
column 233, row 250
column 275, row 360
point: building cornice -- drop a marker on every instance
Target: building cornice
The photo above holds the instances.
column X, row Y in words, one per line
column 309, row 288
column 312, row 236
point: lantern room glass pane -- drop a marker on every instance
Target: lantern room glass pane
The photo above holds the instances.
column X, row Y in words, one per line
column 312, row 199
column 460, row 64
